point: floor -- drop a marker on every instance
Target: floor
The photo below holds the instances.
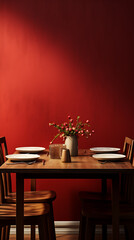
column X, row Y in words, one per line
column 58, row 237
column 68, row 237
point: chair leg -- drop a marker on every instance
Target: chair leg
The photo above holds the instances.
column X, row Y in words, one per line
column 129, row 232
column 82, row 227
column 7, row 232
column 0, row 232
column 126, row 232
column 104, row 232
column 43, row 228
column 3, row 233
column 90, row 230
column 32, row 232
column 51, row 225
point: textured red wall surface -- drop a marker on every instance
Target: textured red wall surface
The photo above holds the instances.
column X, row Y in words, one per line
column 66, row 57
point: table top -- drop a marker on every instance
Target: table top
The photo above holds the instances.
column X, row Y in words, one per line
column 84, row 163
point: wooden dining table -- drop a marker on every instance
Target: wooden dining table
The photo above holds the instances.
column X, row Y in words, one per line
column 83, row 166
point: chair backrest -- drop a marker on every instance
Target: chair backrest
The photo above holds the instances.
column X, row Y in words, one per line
column 128, row 148
column 5, row 177
column 127, row 181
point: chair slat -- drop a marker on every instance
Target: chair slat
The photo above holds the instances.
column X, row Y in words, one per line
column 126, row 180
column 6, row 176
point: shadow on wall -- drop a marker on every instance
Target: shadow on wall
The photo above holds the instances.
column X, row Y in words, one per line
column 95, row 33
column 69, row 56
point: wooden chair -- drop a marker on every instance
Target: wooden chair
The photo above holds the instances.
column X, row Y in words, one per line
column 98, row 210
column 32, row 196
column 36, row 213
column 33, row 213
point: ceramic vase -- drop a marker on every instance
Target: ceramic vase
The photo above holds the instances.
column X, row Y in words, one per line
column 71, row 143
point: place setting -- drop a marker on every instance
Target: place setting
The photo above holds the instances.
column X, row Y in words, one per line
column 107, row 154
column 27, row 155
column 30, row 149
column 104, row 150
column 22, row 158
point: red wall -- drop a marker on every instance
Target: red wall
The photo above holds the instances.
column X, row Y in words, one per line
column 66, row 57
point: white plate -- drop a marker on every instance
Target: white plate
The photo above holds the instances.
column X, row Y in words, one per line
column 30, row 149
column 104, row 149
column 112, row 156
column 24, row 157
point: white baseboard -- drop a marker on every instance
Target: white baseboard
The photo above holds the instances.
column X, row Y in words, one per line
column 67, row 227
column 64, row 227
column 61, row 227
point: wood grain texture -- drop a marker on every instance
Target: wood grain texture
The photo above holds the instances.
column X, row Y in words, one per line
column 82, row 166
column 34, row 196
column 8, row 211
column 83, row 163
column 33, row 214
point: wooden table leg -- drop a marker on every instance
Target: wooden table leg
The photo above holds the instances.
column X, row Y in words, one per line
column 19, row 207
column 115, row 206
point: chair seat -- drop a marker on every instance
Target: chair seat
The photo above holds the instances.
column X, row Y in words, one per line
column 91, row 196
column 33, row 197
column 97, row 196
column 104, row 211
column 8, row 211
column 36, row 213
